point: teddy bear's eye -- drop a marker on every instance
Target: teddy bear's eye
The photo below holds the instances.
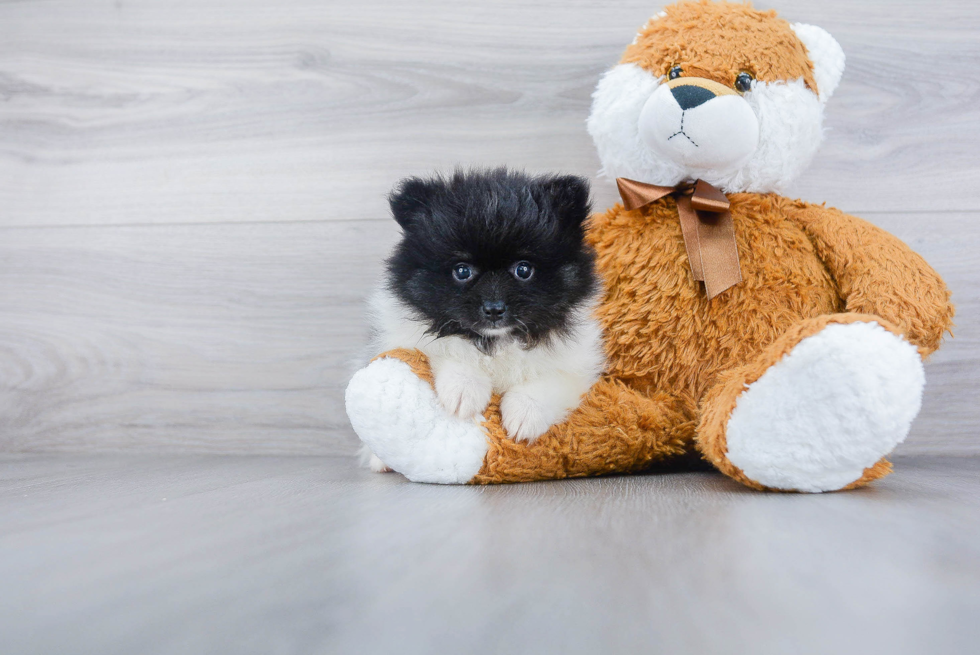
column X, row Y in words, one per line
column 674, row 72
column 743, row 82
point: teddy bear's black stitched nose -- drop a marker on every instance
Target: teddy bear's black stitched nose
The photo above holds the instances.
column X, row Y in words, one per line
column 689, row 96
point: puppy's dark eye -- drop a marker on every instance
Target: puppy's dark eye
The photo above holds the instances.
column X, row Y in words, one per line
column 674, row 73
column 523, row 271
column 462, row 272
column 743, row 82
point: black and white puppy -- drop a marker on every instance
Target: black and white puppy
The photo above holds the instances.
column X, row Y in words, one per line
column 494, row 282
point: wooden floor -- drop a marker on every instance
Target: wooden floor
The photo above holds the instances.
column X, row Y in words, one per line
column 206, row 554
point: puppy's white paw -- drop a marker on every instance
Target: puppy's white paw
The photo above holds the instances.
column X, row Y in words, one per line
column 462, row 393
column 377, row 466
column 523, row 416
column 371, row 461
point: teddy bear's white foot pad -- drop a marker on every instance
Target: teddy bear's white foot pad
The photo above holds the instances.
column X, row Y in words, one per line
column 838, row 402
column 399, row 417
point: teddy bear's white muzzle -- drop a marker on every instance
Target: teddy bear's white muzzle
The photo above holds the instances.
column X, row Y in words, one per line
column 696, row 128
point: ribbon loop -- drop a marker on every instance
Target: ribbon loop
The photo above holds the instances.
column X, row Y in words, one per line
column 637, row 194
column 706, row 224
column 708, row 198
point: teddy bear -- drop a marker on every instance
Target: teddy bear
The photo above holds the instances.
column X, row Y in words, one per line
column 778, row 340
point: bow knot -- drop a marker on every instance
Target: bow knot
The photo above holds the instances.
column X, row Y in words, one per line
column 706, row 223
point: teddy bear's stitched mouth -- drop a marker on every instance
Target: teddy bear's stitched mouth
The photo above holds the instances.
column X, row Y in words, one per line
column 682, row 132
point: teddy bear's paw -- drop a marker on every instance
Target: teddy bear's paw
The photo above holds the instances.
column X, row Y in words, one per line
column 397, row 415
column 463, row 393
column 838, row 402
column 523, row 416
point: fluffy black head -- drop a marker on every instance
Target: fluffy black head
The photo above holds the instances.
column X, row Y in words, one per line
column 491, row 254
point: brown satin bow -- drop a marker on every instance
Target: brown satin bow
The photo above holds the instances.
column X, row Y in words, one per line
column 706, row 223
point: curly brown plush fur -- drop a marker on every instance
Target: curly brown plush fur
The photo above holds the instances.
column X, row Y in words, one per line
column 697, row 33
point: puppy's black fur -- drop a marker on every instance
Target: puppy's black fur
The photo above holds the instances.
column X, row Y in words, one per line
column 496, row 224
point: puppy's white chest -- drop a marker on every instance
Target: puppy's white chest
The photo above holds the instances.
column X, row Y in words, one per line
column 509, row 365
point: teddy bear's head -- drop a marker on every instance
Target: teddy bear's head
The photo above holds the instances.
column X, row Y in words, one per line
column 716, row 91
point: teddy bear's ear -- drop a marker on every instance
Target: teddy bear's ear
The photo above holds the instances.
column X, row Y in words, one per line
column 827, row 57
column 569, row 196
column 411, row 199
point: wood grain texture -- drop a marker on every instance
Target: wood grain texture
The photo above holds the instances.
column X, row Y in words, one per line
column 243, row 555
column 302, row 110
column 221, row 338
column 239, row 338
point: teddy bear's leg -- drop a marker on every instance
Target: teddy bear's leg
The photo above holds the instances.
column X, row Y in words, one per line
column 818, row 409
column 394, row 410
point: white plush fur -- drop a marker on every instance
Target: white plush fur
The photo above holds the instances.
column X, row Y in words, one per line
column 790, row 127
column 398, row 416
column 825, row 54
column 720, row 134
column 540, row 385
column 838, row 402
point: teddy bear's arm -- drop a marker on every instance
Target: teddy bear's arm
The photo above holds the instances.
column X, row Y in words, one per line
column 394, row 410
column 876, row 273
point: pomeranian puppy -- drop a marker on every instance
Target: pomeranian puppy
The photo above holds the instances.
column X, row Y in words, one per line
column 494, row 282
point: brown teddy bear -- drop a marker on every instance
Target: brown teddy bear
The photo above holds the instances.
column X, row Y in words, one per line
column 779, row 340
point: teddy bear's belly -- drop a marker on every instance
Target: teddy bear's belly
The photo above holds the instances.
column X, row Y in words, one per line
column 663, row 334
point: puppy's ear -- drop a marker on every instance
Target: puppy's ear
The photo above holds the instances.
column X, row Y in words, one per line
column 569, row 195
column 411, row 201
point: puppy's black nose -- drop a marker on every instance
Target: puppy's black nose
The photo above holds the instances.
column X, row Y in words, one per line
column 494, row 309
column 689, row 96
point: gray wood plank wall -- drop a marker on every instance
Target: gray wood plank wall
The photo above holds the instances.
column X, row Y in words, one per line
column 192, row 192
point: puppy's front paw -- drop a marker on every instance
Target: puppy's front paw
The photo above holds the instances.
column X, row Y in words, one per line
column 371, row 461
column 463, row 394
column 523, row 416
column 377, row 466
